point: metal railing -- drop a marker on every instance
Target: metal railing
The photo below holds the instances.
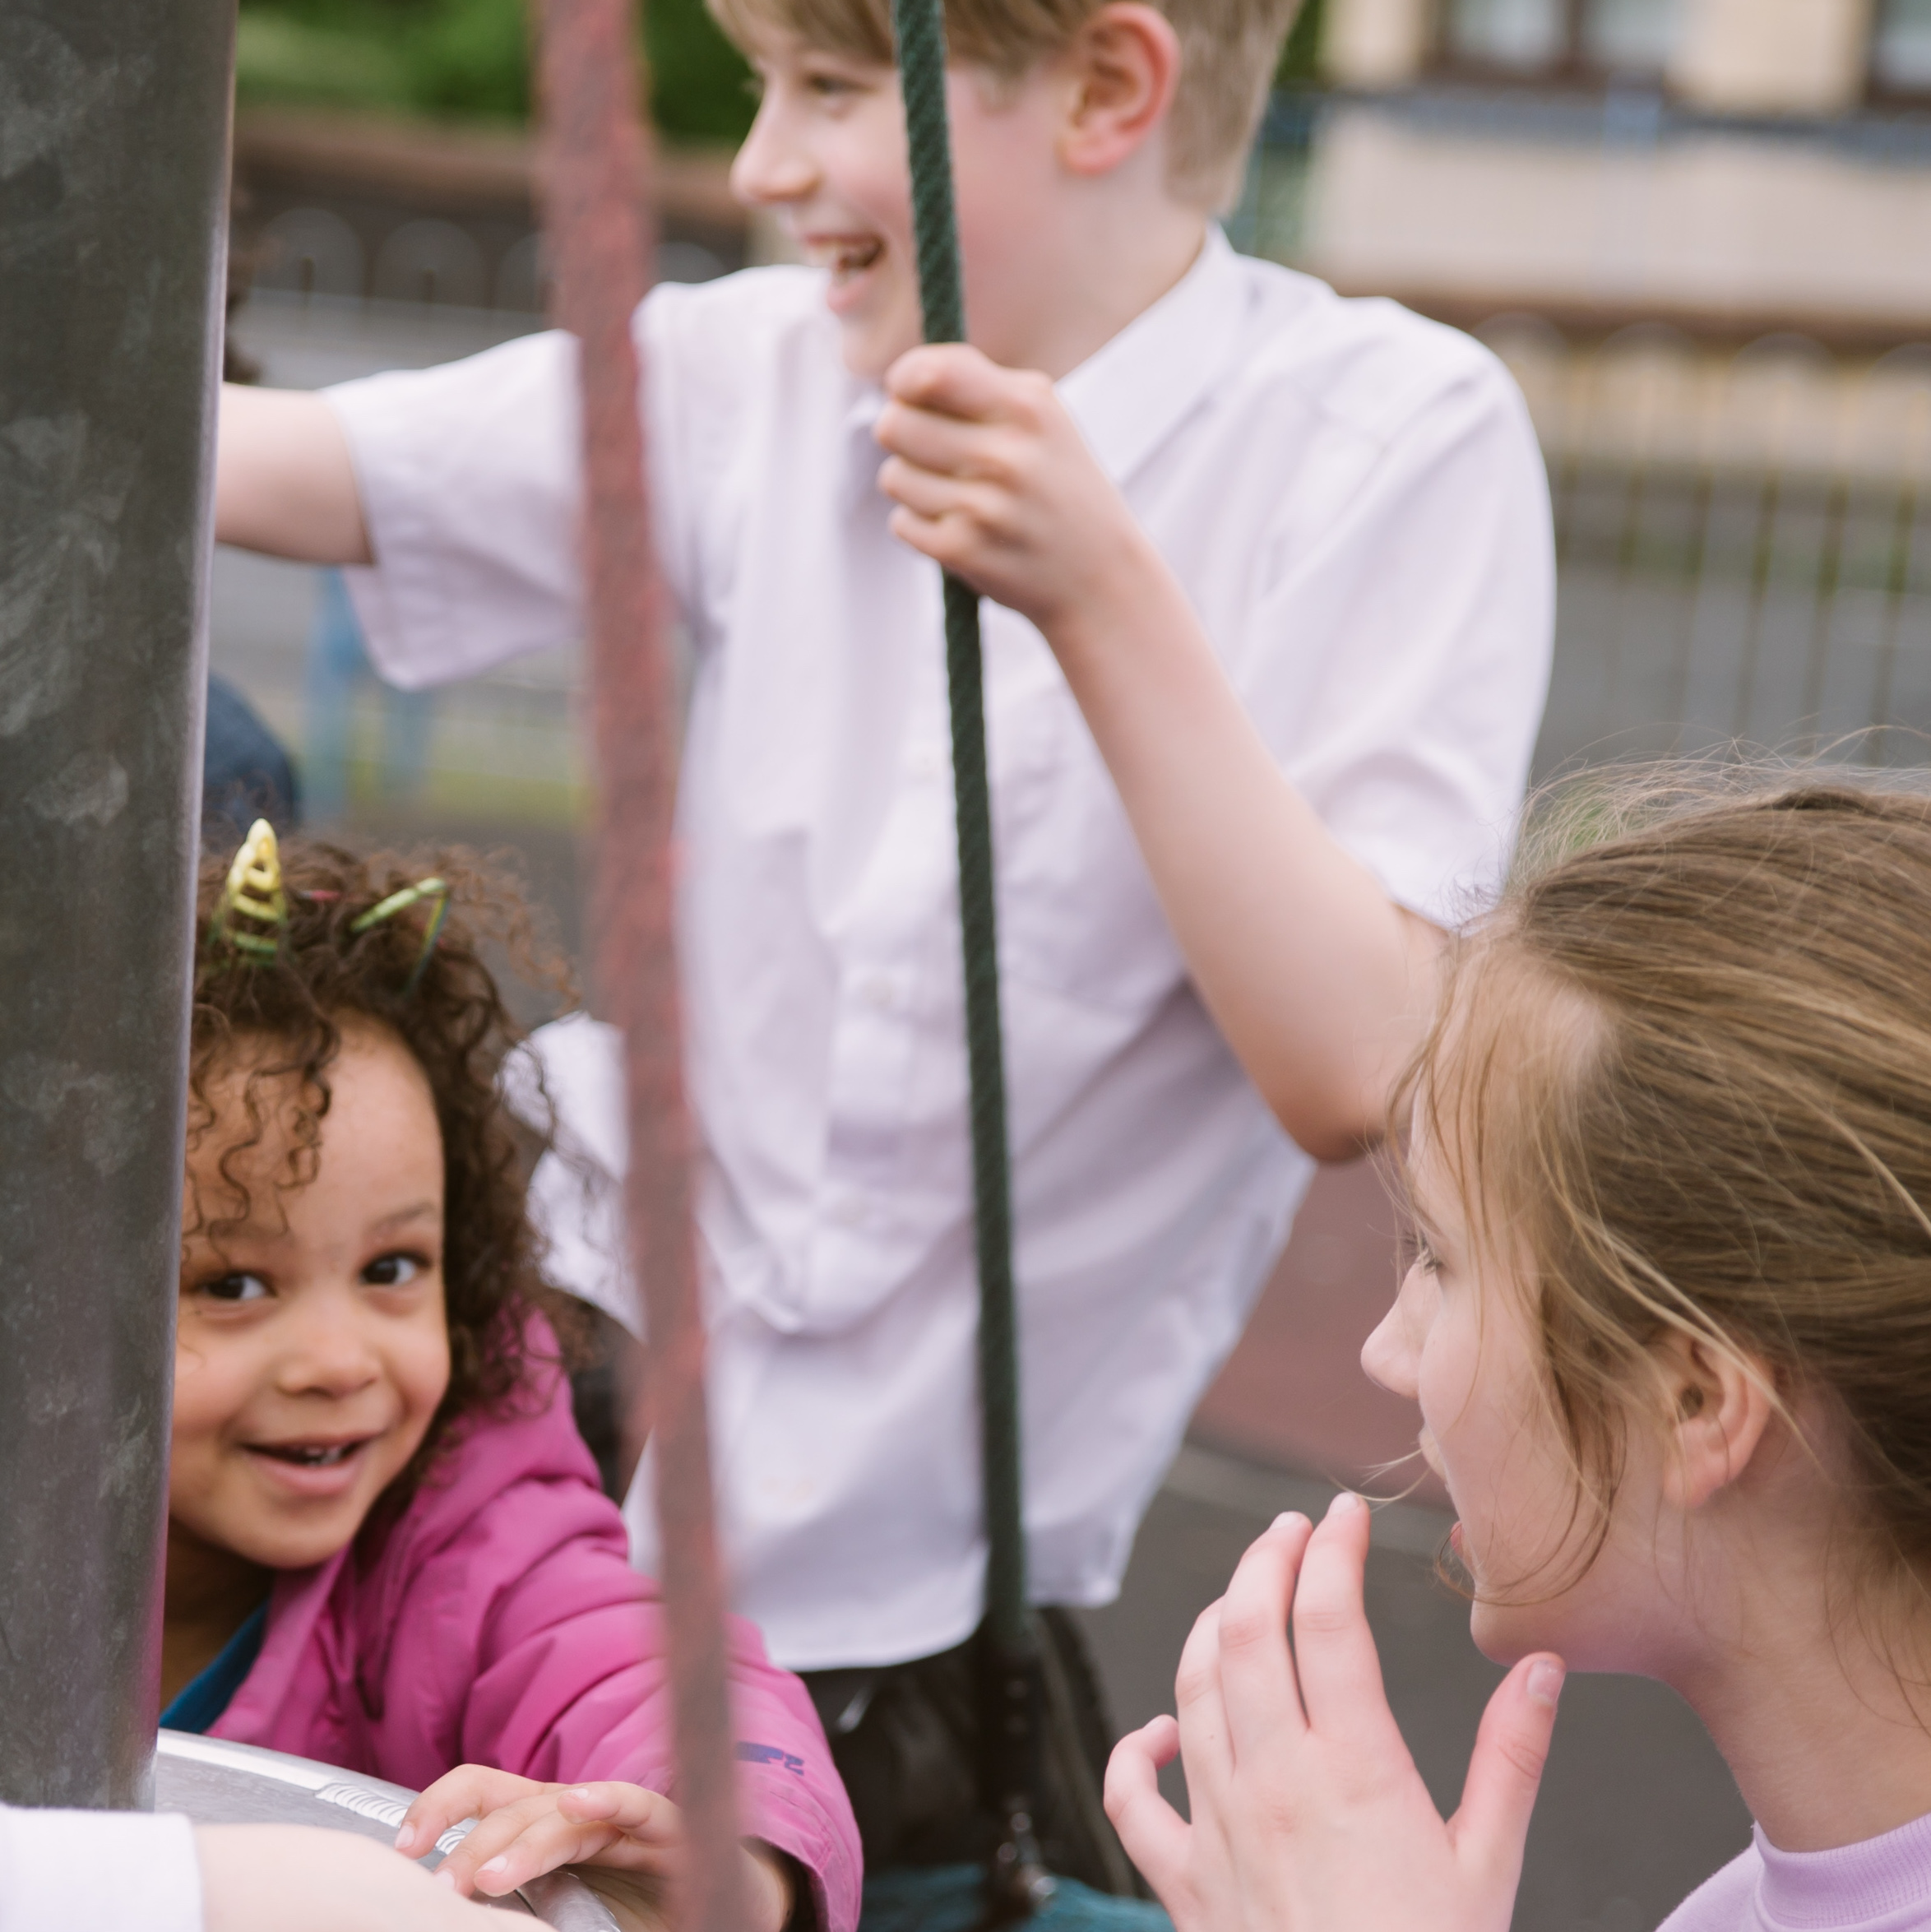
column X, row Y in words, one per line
column 1741, row 543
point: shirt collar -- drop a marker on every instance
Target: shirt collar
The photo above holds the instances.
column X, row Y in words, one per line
column 1130, row 395
column 1848, row 1886
column 1131, row 392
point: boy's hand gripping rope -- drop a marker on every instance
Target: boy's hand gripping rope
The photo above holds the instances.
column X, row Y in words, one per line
column 1011, row 1698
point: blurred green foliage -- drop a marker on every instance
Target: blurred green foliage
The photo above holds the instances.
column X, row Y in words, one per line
column 471, row 57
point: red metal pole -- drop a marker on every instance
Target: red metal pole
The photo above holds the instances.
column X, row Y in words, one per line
column 597, row 224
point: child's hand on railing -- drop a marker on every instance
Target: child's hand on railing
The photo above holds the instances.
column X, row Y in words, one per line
column 630, row 1840
column 1308, row 1812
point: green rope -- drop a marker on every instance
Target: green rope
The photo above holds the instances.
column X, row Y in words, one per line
column 1012, row 1702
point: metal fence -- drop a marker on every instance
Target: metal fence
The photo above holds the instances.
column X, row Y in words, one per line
column 1741, row 540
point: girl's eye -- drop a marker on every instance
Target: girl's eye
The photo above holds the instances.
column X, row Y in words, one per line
column 1425, row 1259
column 393, row 1271
column 235, row 1287
column 830, row 86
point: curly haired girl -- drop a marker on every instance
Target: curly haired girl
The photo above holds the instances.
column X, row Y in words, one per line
column 387, row 1545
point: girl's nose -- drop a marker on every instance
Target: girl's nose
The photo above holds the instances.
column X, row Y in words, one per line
column 331, row 1353
column 771, row 168
column 1387, row 1356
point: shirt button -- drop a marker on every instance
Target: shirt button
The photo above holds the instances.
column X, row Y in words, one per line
column 878, row 991
column 926, row 761
column 848, row 1211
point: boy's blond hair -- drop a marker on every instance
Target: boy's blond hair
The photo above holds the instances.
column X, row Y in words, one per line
column 1229, row 50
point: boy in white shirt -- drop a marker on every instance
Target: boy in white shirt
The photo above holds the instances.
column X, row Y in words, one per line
column 1339, row 506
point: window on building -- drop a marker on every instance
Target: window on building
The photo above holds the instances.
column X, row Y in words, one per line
column 1531, row 37
column 1901, row 50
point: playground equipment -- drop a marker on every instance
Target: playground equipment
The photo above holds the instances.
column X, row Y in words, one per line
column 221, row 1783
column 1012, row 1696
column 113, row 195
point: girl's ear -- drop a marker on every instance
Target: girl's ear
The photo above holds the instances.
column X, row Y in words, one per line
column 1123, row 67
column 1722, row 1403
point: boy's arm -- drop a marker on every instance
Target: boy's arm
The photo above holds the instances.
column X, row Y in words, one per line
column 284, row 483
column 1320, row 983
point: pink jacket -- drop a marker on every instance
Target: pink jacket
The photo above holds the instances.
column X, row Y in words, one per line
column 499, row 1622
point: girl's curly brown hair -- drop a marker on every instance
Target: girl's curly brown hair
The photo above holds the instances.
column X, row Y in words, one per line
column 282, row 1019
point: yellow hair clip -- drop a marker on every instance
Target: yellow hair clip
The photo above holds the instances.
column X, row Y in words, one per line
column 254, row 892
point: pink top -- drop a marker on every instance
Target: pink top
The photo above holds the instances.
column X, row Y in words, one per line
column 498, row 1622
column 1880, row 1885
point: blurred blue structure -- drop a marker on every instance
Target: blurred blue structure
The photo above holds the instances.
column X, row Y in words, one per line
column 246, row 773
column 338, row 667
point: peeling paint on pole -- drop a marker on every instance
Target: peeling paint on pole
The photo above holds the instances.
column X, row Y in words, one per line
column 114, row 161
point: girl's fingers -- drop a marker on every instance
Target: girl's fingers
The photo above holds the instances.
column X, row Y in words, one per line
column 468, row 1791
column 543, row 1842
column 493, row 1835
column 1506, row 1772
column 1340, row 1668
column 1257, row 1673
column 651, row 1826
column 1155, row 1835
column 1205, row 1748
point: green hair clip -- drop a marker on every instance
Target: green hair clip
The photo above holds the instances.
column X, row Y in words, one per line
column 254, row 892
column 424, row 888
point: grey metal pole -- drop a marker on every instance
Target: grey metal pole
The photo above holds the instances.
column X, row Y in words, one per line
column 113, row 169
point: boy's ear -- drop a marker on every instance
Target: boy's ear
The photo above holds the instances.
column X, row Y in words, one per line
column 1122, row 68
column 1722, row 1403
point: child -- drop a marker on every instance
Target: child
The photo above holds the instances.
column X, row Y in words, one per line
column 386, row 1547
column 1669, row 1328
column 1346, row 504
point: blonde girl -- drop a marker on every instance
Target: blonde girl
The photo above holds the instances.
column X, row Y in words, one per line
column 1668, row 1326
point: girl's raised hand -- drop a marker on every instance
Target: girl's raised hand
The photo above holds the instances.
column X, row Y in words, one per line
column 633, row 1839
column 1309, row 1814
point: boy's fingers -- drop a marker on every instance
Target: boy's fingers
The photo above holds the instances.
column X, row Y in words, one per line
column 1340, row 1668
column 940, row 443
column 1257, row 1673
column 468, row 1791
column 930, row 495
column 1155, row 1835
column 956, row 380
column 1506, row 1772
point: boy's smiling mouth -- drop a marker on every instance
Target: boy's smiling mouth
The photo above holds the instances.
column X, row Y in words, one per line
column 844, row 256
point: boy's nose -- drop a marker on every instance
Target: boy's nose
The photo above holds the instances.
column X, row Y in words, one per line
column 771, row 168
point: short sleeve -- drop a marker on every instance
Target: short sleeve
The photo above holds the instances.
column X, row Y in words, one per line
column 468, row 475
column 1432, row 589
column 470, row 480
column 98, row 1871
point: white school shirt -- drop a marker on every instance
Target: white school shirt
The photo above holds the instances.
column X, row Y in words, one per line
column 98, row 1871
column 1354, row 499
